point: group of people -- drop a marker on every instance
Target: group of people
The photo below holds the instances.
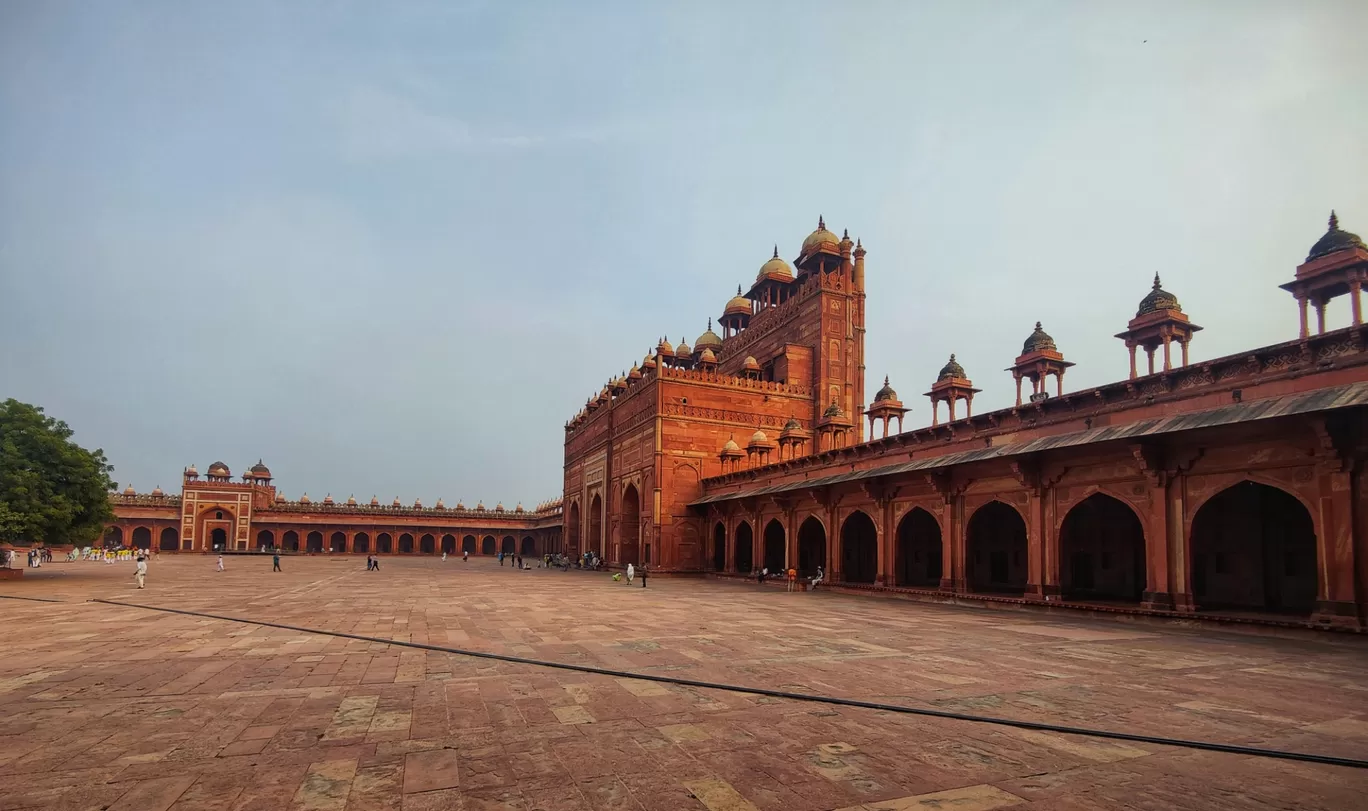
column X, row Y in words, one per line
column 763, row 573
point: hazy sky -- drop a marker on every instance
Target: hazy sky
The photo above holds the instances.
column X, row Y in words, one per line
column 391, row 247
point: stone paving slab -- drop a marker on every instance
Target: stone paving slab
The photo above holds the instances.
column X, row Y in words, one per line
column 112, row 707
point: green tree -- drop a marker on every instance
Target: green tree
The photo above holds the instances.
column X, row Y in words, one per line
column 51, row 489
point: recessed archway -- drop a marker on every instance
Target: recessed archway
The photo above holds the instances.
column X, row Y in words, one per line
column 406, row 544
column 745, row 552
column 487, row 545
column 919, row 550
column 361, row 543
column 142, row 538
column 859, row 549
column 811, row 547
column 468, row 544
column 508, row 545
column 427, row 544
column 113, row 537
column 448, row 544
column 338, row 542
column 996, row 550
column 572, row 527
column 218, row 539
column 1254, row 549
column 1102, row 551
column 170, row 540
column 384, row 543
column 529, row 546
column 775, row 551
column 290, row 541
column 314, row 542
column 719, row 549
column 265, row 539
column 630, row 529
column 596, row 526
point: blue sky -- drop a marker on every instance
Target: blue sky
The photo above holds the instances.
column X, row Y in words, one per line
column 391, row 247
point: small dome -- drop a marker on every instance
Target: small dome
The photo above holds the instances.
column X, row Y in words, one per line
column 1158, row 299
column 738, row 305
column 731, row 446
column 1334, row 240
column 397, row 502
column 750, row 364
column 885, row 393
column 1038, row 341
column 351, row 501
column 635, row 374
column 820, row 238
column 479, row 505
column 683, row 350
column 417, row 504
column 775, row 268
column 219, row 469
column 440, row 505
column 664, row 348
column 707, row 356
column 759, row 438
column 708, row 340
column 129, row 491
column 951, row 369
column 498, row 508
column 833, row 410
column 191, row 472
column 280, row 497
column 648, row 362
column 260, row 471
column 460, row 506
column 157, row 492
column 328, row 499
column 304, row 499
column 375, row 502
column 519, row 508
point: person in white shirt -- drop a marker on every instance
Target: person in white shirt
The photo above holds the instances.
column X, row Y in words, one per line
column 141, row 572
column 220, row 563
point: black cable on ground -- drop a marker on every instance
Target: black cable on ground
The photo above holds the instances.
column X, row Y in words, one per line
column 1232, row 749
column 30, row 599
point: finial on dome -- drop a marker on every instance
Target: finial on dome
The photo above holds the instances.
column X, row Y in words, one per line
column 776, row 255
column 738, row 290
column 1156, row 281
column 1037, row 325
column 845, row 233
column 952, row 356
column 709, row 323
column 1334, row 220
column 858, row 244
column 885, row 380
column 821, row 223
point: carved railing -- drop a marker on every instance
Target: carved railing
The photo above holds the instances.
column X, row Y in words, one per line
column 144, row 500
column 735, row 382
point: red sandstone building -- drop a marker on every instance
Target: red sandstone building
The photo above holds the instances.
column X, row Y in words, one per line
column 217, row 513
column 1231, row 485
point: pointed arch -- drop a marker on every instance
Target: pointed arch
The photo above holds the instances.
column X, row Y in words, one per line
column 427, row 544
column 572, row 530
column 812, row 546
column 290, row 541
column 384, row 543
column 919, row 551
column 142, row 538
column 745, row 552
column 338, row 542
column 1102, row 551
column 775, row 546
column 468, row 545
column 630, row 528
column 528, row 546
column 113, row 537
column 170, row 540
column 1253, row 548
column 313, row 542
column 719, row 547
column 487, row 546
column 266, row 539
column 508, row 545
column 859, row 548
column 596, row 526
column 406, row 544
column 996, row 550
column 361, row 543
column 448, row 544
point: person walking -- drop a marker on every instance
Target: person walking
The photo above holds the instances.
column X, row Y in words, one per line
column 643, row 575
column 444, row 557
column 631, row 573
column 220, row 562
column 465, row 556
column 275, row 562
column 141, row 571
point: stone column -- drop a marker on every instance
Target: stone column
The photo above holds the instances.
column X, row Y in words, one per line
column 1158, row 595
column 1355, row 304
column 1305, row 328
column 1035, row 545
column 952, row 544
column 1335, row 603
column 1320, row 317
column 1132, row 348
column 1168, row 364
column 1179, row 553
column 1184, row 345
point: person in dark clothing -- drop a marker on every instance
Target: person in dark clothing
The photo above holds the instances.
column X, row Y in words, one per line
column 642, row 572
column 275, row 562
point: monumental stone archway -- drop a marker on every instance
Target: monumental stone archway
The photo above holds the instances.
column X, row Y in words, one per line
column 630, row 529
column 170, row 540
column 719, row 547
column 775, row 549
column 996, row 550
column 859, row 549
column 1102, row 551
column 745, row 552
column 811, row 547
column 361, row 543
column 919, row 550
column 1254, row 549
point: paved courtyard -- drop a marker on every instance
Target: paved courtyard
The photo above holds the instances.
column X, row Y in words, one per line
column 105, row 707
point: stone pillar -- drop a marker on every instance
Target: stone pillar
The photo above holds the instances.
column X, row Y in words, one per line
column 952, row 545
column 1035, row 545
column 1158, row 595
column 1179, row 553
column 1018, row 387
column 1184, row 345
column 1132, row 348
column 884, row 511
column 833, row 546
column 1320, row 317
column 1355, row 287
column 1305, row 328
column 1335, row 603
column 1168, row 363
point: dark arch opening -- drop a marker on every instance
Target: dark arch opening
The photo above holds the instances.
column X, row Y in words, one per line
column 596, row 526
column 218, row 538
column 859, row 549
column 468, row 544
column 290, row 541
column 774, row 546
column 361, row 543
column 406, row 544
column 631, row 526
column 1254, row 549
column 919, row 550
column 427, row 544
column 338, row 542
column 529, row 546
column 265, row 539
column 487, row 545
column 719, row 550
column 1102, row 551
column 507, row 545
column 811, row 547
column 142, row 538
column 448, row 544
column 384, row 543
column 113, row 537
column 745, row 554
column 314, row 542
column 572, row 528
column 997, row 550
column 170, row 540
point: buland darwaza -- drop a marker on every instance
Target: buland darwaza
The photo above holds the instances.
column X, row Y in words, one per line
column 1233, row 485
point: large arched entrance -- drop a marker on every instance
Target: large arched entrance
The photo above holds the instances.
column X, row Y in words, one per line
column 113, row 537
column 1102, row 551
column 361, row 542
column 719, row 549
column 218, row 538
column 1254, row 549
column 630, row 529
column 487, row 545
column 774, row 546
column 427, row 544
column 745, row 553
column 170, row 540
column 508, row 545
column 596, row 526
column 338, row 542
column 142, row 538
column 468, row 544
column 529, row 546
column 859, row 549
column 384, row 543
column 811, row 547
column 996, row 550
column 572, row 527
column 919, row 550
column 290, row 541
column 406, row 544
column 448, row 544
column 314, row 542
column 265, row 539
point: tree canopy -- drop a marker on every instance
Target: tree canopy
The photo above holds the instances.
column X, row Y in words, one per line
column 51, row 489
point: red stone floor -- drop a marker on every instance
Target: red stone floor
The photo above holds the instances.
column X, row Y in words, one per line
column 105, row 707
